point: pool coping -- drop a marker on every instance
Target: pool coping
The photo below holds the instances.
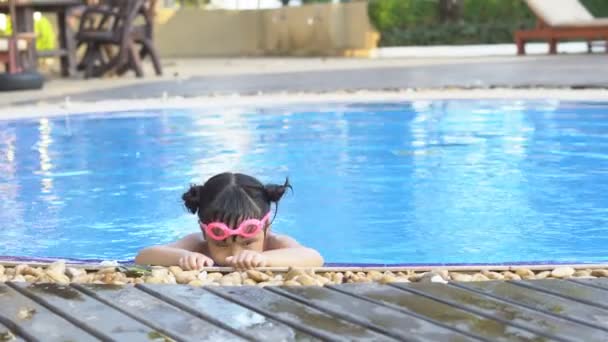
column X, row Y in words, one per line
column 329, row 267
column 236, row 101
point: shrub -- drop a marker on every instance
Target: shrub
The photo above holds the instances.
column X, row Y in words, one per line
column 46, row 39
column 416, row 22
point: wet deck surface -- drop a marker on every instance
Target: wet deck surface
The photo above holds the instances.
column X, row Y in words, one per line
column 540, row 310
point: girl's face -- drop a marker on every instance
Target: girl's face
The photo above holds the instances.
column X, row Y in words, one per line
column 219, row 250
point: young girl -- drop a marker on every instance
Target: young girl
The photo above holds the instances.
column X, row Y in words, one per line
column 234, row 217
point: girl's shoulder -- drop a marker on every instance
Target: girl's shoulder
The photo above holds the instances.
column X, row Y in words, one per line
column 192, row 242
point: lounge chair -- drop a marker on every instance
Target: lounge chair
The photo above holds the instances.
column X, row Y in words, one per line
column 110, row 26
column 558, row 20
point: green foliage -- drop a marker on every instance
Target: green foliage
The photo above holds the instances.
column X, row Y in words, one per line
column 598, row 8
column 399, row 14
column 193, row 3
column 416, row 22
column 46, row 38
column 492, row 11
column 315, row 1
column 8, row 28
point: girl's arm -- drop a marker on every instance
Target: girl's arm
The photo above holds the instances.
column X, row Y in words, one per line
column 170, row 255
column 285, row 251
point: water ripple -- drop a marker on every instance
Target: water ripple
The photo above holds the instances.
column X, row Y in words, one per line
column 421, row 182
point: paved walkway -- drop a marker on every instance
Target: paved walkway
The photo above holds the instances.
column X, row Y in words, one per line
column 201, row 77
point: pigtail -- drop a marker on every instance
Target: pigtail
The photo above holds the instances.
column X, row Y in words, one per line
column 274, row 192
column 192, row 198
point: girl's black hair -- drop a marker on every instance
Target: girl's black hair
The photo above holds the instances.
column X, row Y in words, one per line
column 232, row 198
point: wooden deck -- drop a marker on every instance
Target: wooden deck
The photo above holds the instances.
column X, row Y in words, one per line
column 540, row 310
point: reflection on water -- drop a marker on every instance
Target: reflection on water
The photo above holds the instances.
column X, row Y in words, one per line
column 420, row 182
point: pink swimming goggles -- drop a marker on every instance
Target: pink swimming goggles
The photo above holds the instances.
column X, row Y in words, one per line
column 248, row 228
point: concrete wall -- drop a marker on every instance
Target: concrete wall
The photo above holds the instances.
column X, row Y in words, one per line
column 318, row 29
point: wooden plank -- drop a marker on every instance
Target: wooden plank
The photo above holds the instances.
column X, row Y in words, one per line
column 600, row 283
column 303, row 317
column 540, row 301
column 239, row 320
column 156, row 313
column 37, row 321
column 87, row 313
column 7, row 335
column 571, row 290
column 379, row 317
column 467, row 322
column 556, row 328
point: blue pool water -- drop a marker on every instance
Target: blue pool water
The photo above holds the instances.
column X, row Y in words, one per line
column 421, row 182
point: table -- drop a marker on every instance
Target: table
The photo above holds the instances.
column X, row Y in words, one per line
column 25, row 23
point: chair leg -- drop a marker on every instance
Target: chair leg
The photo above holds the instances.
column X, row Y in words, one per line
column 25, row 57
column 143, row 52
column 552, row 46
column 134, row 60
column 88, row 57
column 149, row 48
column 67, row 42
column 12, row 56
column 112, row 61
column 521, row 46
column 89, row 70
column 99, row 63
column 124, row 67
column 95, row 64
column 87, row 64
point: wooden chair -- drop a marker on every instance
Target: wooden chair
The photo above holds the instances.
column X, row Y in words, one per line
column 12, row 51
column 143, row 34
column 111, row 38
column 14, row 48
column 558, row 20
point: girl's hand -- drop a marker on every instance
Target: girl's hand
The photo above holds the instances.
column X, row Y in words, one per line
column 247, row 260
column 195, row 261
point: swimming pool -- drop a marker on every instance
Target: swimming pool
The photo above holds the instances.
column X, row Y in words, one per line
column 423, row 182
